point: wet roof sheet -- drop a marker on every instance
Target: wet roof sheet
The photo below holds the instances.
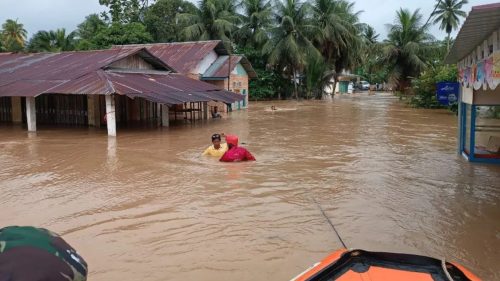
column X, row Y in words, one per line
column 169, row 88
column 478, row 26
column 85, row 73
column 184, row 57
column 63, row 66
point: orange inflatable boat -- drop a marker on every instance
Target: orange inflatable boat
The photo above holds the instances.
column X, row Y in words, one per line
column 359, row 265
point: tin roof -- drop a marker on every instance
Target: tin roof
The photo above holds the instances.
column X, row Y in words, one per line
column 65, row 65
column 184, row 57
column 478, row 26
column 88, row 73
column 169, row 89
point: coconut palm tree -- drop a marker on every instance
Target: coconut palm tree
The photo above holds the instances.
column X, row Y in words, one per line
column 256, row 20
column 370, row 35
column 448, row 14
column 406, row 47
column 371, row 53
column 337, row 34
column 214, row 19
column 52, row 41
column 289, row 46
column 13, row 35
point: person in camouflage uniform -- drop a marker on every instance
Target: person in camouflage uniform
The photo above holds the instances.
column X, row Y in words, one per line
column 36, row 254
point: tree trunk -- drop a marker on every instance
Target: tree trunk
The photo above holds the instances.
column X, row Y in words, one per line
column 448, row 44
column 295, row 93
column 335, row 81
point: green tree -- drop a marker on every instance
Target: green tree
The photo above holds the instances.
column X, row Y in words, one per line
column 425, row 86
column 316, row 77
column 87, row 30
column 337, row 34
column 124, row 11
column 160, row 19
column 52, row 41
column 406, row 48
column 90, row 27
column 448, row 14
column 121, row 34
column 372, row 69
column 213, row 20
column 370, row 36
column 256, row 20
column 289, row 45
column 13, row 35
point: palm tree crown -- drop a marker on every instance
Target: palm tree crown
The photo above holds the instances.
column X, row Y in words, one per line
column 214, row 19
column 405, row 49
column 256, row 20
column 13, row 35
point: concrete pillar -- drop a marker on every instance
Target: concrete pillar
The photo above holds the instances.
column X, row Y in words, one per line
column 205, row 110
column 91, row 110
column 158, row 114
column 17, row 111
column 31, row 114
column 164, row 115
column 494, row 39
column 110, row 115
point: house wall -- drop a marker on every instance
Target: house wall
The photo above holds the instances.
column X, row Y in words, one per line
column 206, row 63
column 487, row 97
column 132, row 62
column 238, row 84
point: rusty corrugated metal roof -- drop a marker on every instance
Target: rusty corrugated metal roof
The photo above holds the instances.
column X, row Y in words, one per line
column 60, row 66
column 169, row 88
column 184, row 57
column 88, row 73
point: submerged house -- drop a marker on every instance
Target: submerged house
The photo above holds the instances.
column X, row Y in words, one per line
column 476, row 51
column 96, row 88
column 208, row 61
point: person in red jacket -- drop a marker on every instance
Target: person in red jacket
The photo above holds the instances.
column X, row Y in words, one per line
column 235, row 153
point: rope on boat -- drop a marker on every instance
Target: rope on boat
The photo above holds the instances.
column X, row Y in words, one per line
column 329, row 222
column 443, row 265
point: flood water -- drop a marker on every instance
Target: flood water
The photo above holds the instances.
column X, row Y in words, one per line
column 147, row 206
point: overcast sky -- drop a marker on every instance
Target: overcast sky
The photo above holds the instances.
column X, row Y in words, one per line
column 52, row 14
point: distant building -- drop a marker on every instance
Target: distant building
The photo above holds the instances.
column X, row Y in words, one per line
column 108, row 87
column 207, row 61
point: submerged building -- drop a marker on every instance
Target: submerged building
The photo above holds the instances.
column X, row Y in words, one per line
column 112, row 87
column 476, row 52
column 207, row 61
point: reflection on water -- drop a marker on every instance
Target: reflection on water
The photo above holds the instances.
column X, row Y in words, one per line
column 147, row 206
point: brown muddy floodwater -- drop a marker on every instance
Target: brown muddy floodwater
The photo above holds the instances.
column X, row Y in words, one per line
column 148, row 207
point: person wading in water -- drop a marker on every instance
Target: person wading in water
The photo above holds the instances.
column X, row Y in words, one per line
column 217, row 148
column 236, row 153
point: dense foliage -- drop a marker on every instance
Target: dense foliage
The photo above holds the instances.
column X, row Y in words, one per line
column 425, row 87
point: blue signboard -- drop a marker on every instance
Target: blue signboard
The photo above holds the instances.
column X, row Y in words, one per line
column 447, row 92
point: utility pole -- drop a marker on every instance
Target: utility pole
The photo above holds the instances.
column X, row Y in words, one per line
column 229, row 72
